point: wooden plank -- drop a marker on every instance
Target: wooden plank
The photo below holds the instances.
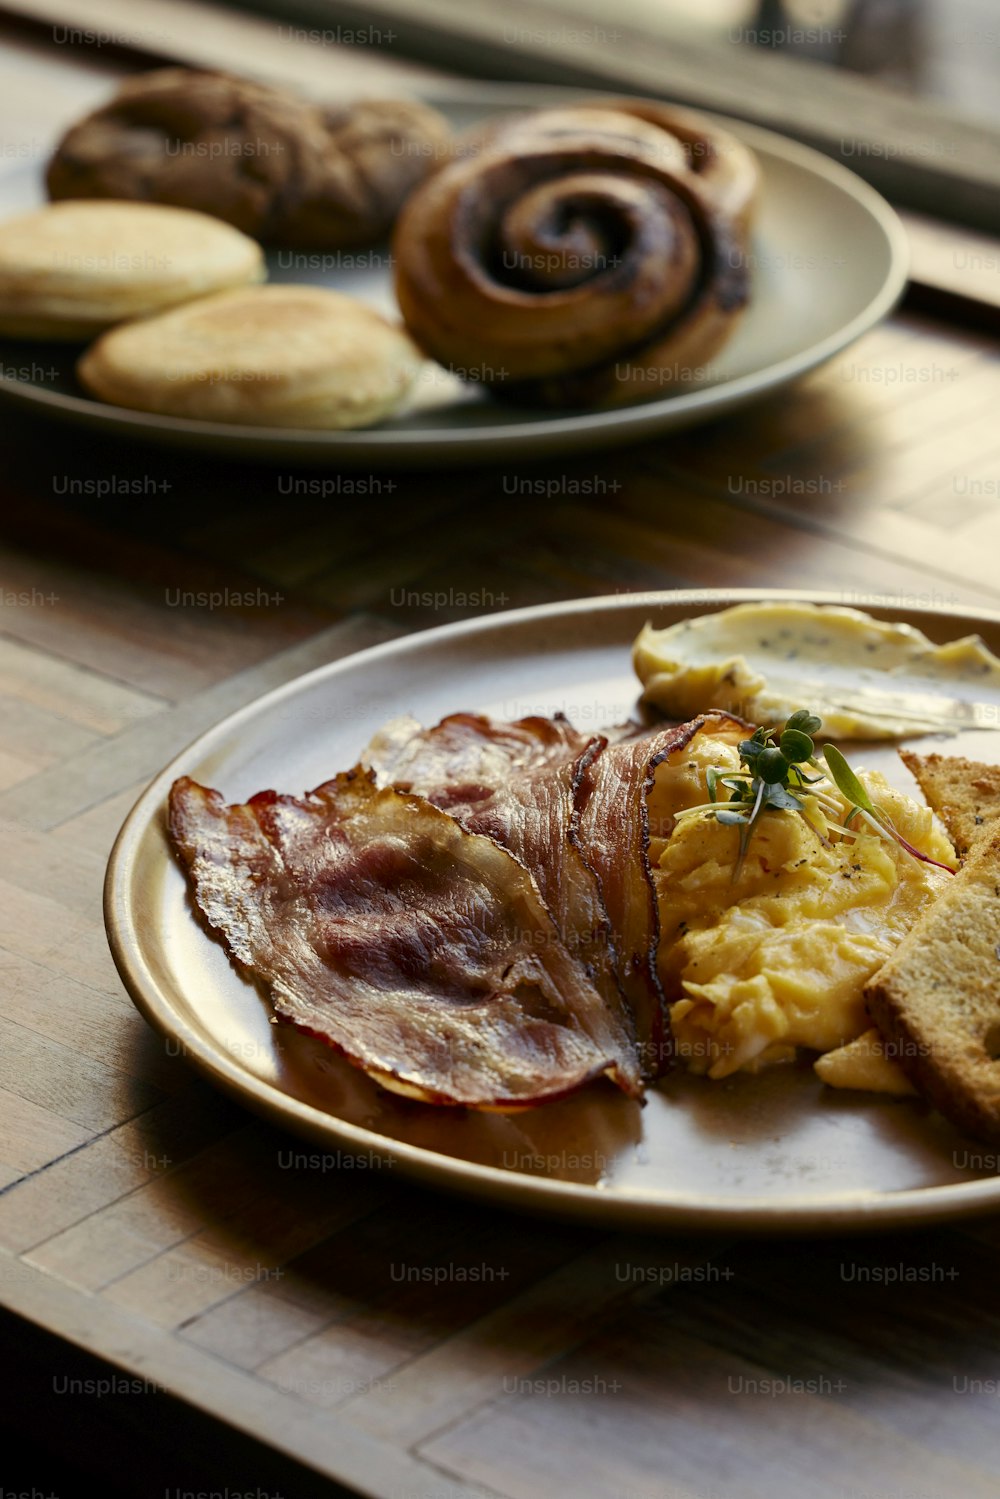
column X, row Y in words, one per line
column 380, row 1318
column 875, row 375
column 519, row 1339
column 75, row 1089
column 168, row 1207
column 106, row 1168
column 31, row 1135
column 95, row 829
column 14, row 769
column 333, row 521
column 258, row 1325
column 178, row 633
column 319, row 1440
column 143, row 749
column 88, row 698
column 103, row 1025
column 33, row 925
column 961, row 264
column 68, row 875
column 38, row 735
column 652, row 1408
column 243, row 1243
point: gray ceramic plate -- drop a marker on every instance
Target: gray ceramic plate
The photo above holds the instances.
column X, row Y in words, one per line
column 774, row 1153
column 830, row 260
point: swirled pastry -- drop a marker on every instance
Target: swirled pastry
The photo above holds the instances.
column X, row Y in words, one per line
column 278, row 167
column 591, row 255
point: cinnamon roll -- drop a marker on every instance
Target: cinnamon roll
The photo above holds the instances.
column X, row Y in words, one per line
column 584, row 256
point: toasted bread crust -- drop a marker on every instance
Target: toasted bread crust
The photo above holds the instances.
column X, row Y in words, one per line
column 965, row 794
column 937, row 999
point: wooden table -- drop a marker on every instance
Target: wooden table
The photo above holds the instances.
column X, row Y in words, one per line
column 250, row 1330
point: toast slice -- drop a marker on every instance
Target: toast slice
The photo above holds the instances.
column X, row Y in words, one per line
column 937, row 999
column 965, row 794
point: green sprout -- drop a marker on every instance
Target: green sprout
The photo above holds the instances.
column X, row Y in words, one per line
column 773, row 775
column 864, row 808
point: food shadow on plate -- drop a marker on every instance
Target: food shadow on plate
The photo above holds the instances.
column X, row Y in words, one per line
column 575, row 1139
column 584, row 1138
column 783, row 1132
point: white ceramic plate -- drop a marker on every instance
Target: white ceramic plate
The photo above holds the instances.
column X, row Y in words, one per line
column 830, row 260
column 775, row 1153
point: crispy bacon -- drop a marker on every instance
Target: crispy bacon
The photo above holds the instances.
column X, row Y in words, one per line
column 469, row 917
column 573, row 810
column 517, row 784
column 467, row 755
column 420, row 950
column 611, row 829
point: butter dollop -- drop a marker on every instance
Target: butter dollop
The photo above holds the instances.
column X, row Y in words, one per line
column 866, row 678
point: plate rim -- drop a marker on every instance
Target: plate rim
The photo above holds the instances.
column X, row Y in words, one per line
column 845, row 1211
column 559, row 434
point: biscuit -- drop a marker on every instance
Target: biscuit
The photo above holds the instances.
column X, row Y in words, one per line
column 73, row 269
column 281, row 168
column 277, row 356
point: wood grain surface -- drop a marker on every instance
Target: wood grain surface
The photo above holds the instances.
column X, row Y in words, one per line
column 151, row 1222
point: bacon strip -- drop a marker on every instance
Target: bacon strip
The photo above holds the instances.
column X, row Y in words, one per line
column 421, row 951
column 611, row 830
column 515, row 783
column 467, row 756
column 574, row 811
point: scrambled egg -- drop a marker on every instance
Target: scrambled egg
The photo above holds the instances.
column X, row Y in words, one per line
column 778, row 958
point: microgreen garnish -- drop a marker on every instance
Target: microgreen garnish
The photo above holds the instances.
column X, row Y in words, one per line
column 863, row 807
column 848, row 784
column 772, row 775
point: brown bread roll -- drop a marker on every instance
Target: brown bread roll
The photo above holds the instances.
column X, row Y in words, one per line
column 287, row 171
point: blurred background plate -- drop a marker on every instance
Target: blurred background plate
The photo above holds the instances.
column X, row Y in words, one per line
column 774, row 1153
column 829, row 260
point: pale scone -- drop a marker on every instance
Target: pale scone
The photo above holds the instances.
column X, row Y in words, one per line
column 72, row 269
column 274, row 356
